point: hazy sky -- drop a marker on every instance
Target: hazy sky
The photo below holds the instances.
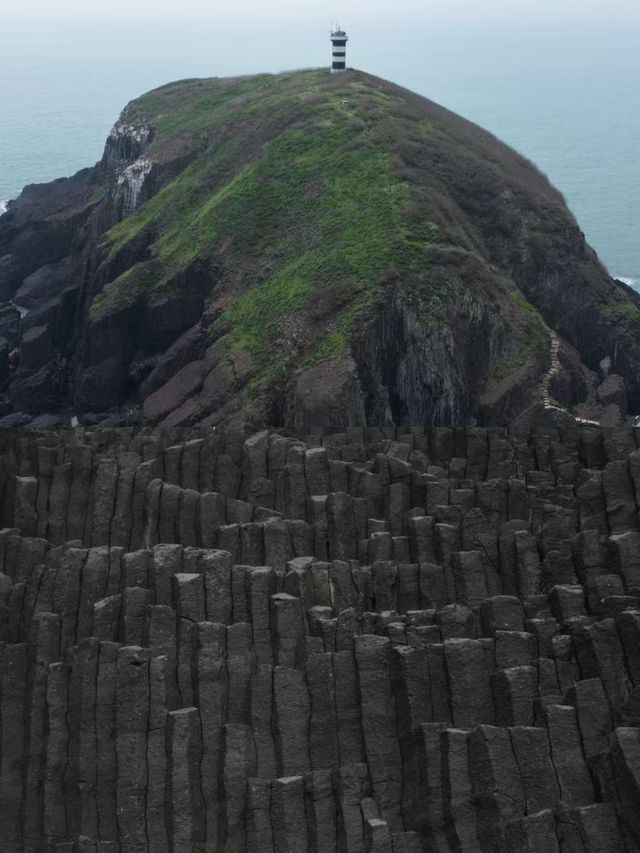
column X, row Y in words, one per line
column 353, row 11
column 271, row 35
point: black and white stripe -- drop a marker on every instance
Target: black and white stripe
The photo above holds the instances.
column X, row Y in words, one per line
column 339, row 40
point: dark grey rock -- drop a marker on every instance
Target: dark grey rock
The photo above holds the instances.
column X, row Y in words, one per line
column 410, row 640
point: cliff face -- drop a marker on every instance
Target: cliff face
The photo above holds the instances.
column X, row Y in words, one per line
column 307, row 249
column 362, row 642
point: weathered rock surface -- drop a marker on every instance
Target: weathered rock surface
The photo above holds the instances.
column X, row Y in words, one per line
column 359, row 642
column 307, row 249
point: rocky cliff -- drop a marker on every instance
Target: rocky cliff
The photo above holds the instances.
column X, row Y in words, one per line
column 376, row 641
column 306, row 249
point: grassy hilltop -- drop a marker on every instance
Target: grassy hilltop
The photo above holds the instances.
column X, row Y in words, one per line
column 342, row 225
column 289, row 184
column 315, row 191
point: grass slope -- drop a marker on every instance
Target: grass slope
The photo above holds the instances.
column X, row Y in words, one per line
column 311, row 193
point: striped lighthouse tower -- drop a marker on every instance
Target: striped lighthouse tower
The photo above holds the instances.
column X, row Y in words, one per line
column 339, row 41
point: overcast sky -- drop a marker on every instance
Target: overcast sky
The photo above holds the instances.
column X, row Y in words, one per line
column 271, row 35
column 290, row 11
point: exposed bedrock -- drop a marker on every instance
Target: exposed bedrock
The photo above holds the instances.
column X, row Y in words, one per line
column 352, row 642
column 307, row 249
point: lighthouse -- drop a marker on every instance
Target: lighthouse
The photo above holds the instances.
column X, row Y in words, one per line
column 339, row 41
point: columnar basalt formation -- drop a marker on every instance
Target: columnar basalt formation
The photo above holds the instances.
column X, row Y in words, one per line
column 378, row 640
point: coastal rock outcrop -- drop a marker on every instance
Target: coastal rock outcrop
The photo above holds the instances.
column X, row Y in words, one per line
column 126, row 168
column 309, row 249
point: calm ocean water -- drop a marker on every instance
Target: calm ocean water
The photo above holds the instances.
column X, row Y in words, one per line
column 568, row 98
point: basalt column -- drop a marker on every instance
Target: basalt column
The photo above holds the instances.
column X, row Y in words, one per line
column 360, row 642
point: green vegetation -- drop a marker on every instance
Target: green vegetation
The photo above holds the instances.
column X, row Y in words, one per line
column 520, row 300
column 308, row 195
column 124, row 291
column 624, row 313
column 319, row 215
column 310, row 221
column 536, row 347
column 535, row 338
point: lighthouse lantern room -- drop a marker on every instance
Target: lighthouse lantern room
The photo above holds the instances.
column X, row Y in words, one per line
column 339, row 41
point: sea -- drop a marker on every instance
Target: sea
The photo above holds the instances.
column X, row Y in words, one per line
column 565, row 93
